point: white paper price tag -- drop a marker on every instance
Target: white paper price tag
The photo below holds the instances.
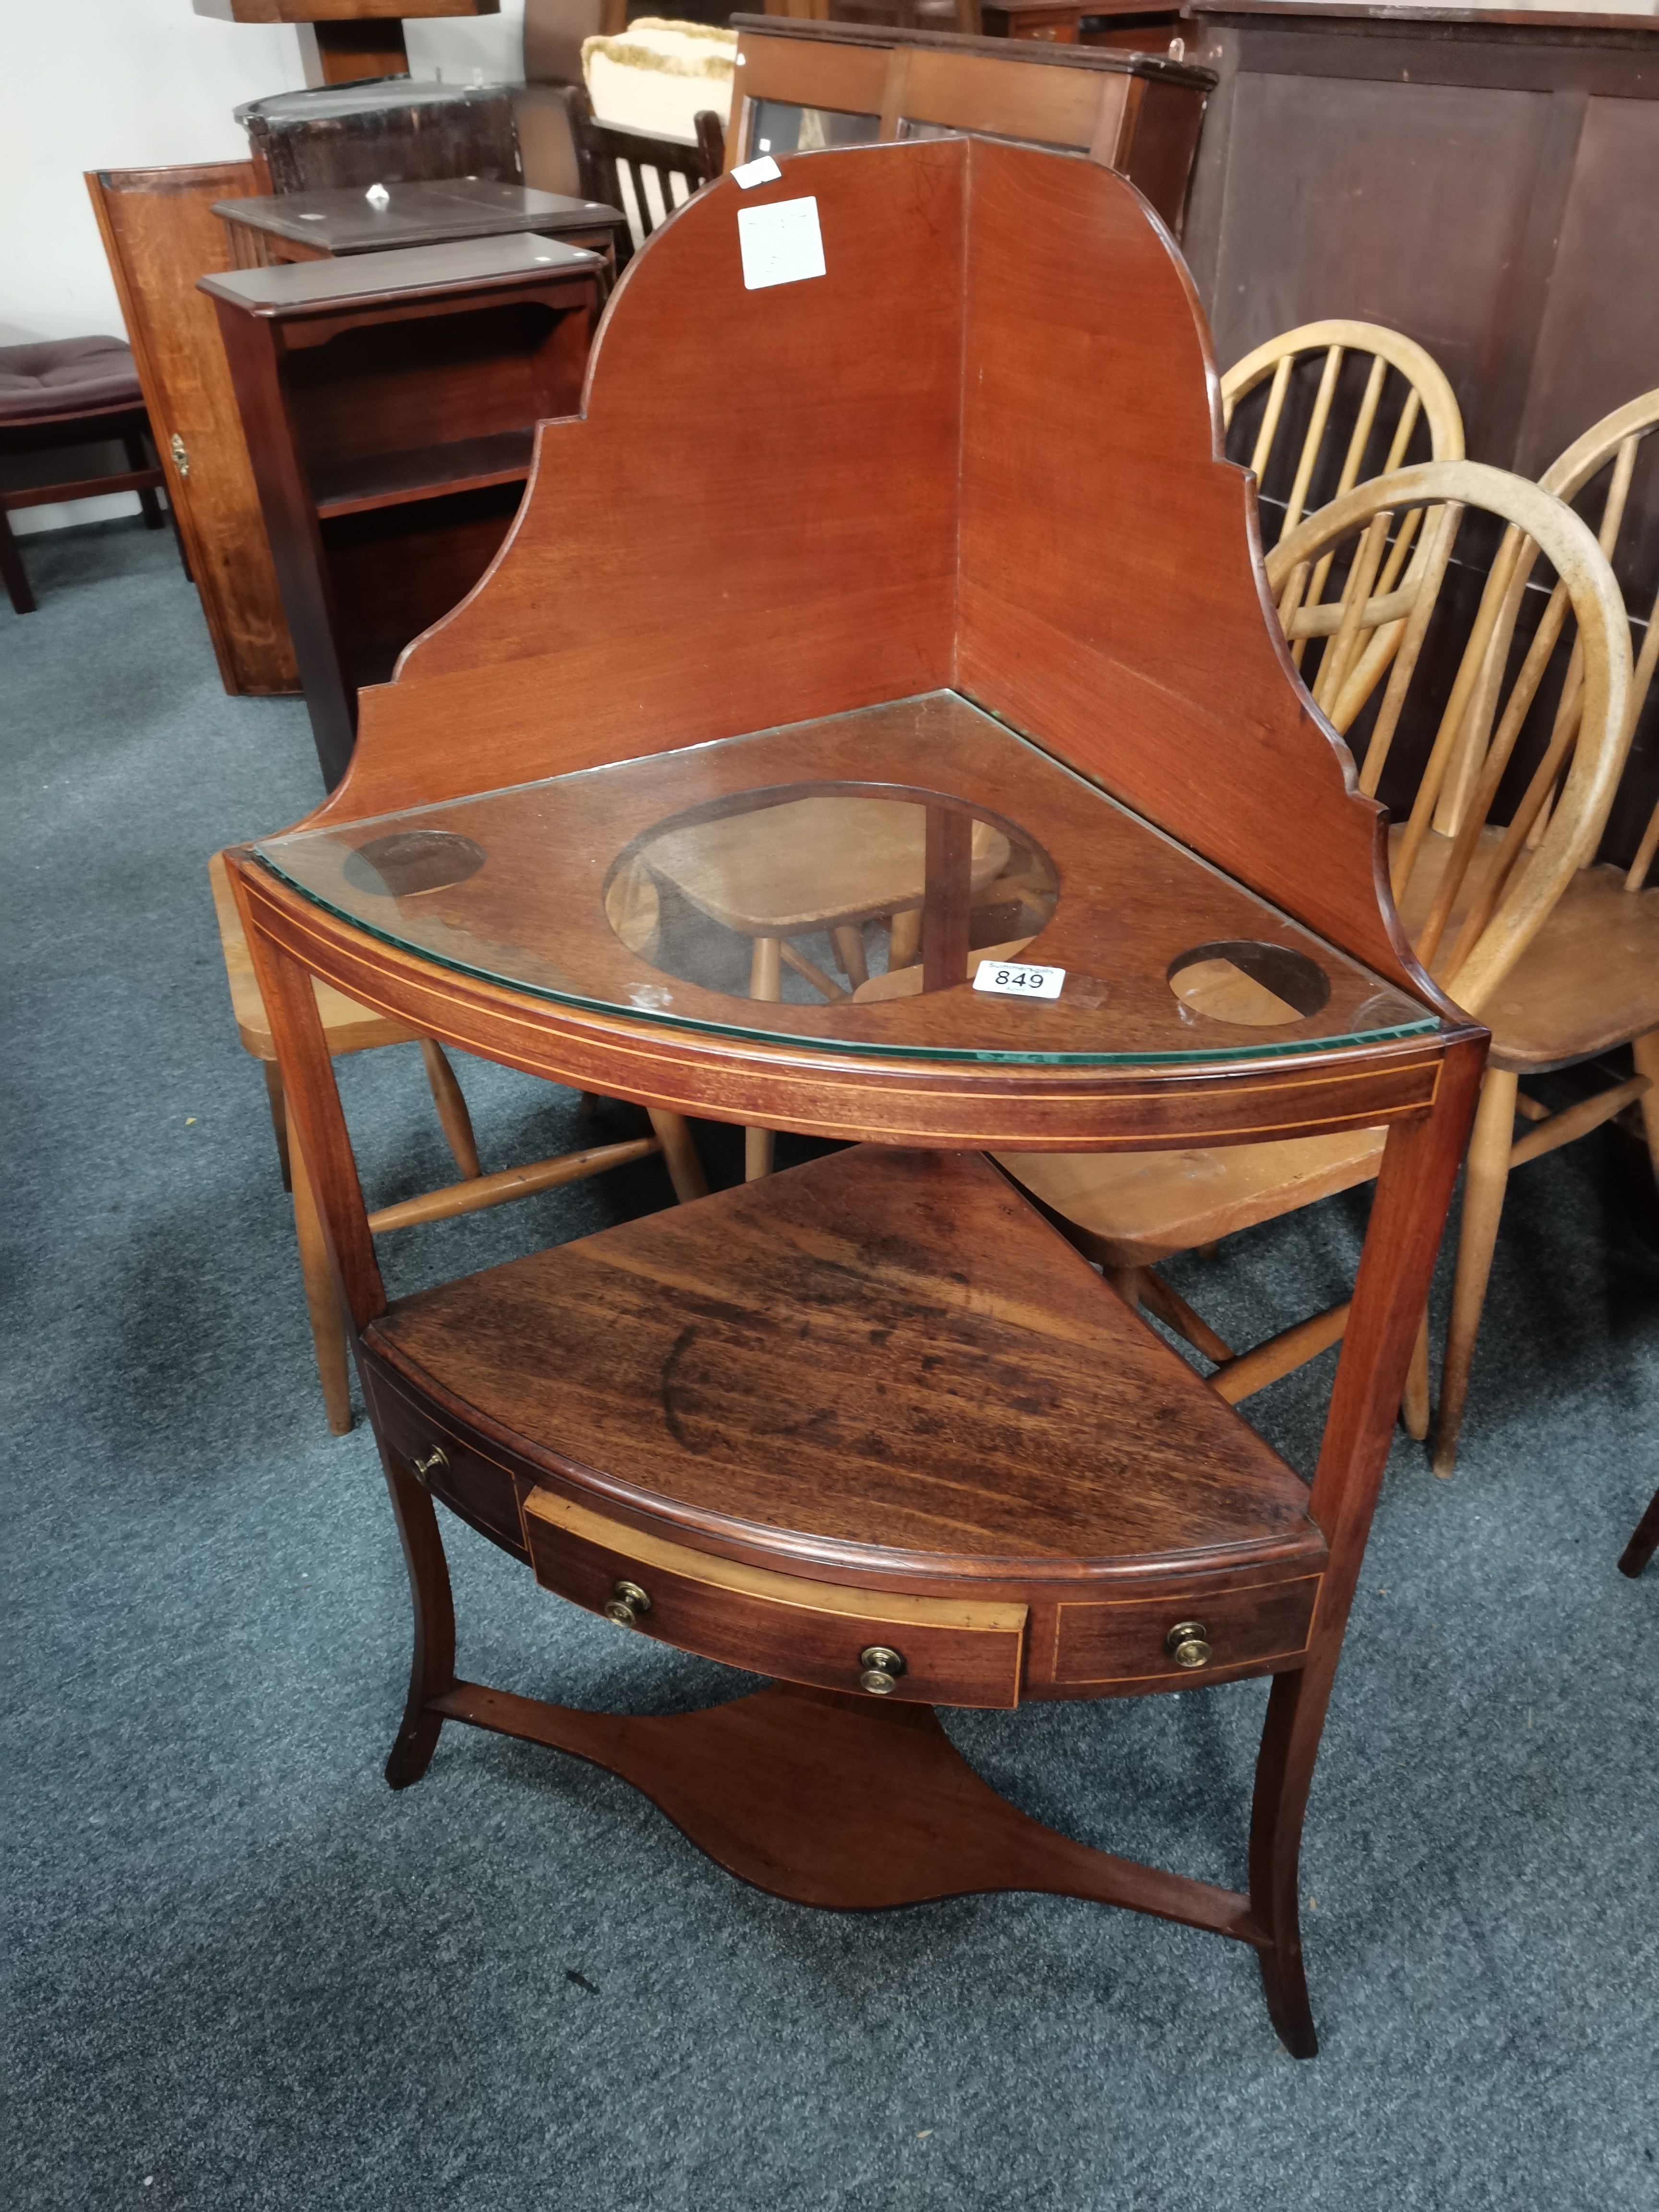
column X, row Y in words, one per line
column 1015, row 979
column 763, row 172
column 781, row 243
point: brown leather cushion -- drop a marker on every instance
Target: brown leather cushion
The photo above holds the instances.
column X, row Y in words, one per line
column 64, row 376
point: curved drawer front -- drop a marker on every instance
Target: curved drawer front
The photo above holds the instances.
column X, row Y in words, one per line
column 956, row 1651
column 482, row 1491
column 1133, row 1641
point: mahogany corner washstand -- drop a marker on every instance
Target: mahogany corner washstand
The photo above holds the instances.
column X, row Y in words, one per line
column 965, row 647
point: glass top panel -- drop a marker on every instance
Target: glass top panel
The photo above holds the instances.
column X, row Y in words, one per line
column 901, row 880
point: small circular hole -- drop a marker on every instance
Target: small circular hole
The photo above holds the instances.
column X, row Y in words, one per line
column 412, row 861
column 1239, row 980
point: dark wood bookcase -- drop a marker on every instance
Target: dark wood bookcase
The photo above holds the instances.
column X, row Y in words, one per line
column 389, row 405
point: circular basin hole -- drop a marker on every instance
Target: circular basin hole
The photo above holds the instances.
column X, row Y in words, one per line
column 824, row 891
column 410, row 860
column 1238, row 979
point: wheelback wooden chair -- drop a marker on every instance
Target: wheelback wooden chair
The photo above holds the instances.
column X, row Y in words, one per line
column 1313, row 380
column 1478, row 901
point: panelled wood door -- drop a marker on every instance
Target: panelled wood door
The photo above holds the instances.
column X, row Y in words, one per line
column 161, row 235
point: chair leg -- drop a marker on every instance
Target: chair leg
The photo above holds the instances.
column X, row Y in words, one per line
column 133, row 446
column 452, row 1109
column 432, row 1664
column 848, row 942
column 279, row 1105
column 766, row 983
column 322, row 1300
column 1644, row 1544
column 12, row 569
column 1485, row 1176
column 1645, row 1051
column 1415, row 1405
column 679, row 1155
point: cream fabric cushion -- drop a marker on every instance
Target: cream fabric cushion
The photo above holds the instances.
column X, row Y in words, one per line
column 658, row 74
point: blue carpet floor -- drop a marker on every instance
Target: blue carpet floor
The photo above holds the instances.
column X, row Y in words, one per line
column 240, row 1973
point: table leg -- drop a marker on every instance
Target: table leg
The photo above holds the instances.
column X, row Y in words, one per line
column 432, row 1665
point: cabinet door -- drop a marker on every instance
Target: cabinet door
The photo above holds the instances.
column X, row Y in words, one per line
column 161, row 235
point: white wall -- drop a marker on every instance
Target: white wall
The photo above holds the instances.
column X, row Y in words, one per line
column 121, row 84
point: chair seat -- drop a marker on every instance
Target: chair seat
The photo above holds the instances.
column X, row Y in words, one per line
column 1137, row 1208
column 810, row 863
column 1588, row 981
column 66, row 377
column 887, row 1355
column 347, row 1026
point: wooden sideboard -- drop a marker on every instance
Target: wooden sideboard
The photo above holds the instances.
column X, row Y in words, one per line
column 1485, row 182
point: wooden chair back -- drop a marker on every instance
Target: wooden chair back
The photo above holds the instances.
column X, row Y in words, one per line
column 1314, row 379
column 859, row 84
column 1613, row 445
column 647, row 177
column 1384, row 421
column 1498, row 887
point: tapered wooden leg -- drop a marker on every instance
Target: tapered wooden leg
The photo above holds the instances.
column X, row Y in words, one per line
column 452, row 1109
column 679, row 1155
column 1283, row 1769
column 322, row 1300
column 1485, row 1176
column 1391, row 1289
column 1644, row 1544
column 1415, row 1405
column 432, row 1665
column 279, row 1105
column 1645, row 1050
column 765, row 982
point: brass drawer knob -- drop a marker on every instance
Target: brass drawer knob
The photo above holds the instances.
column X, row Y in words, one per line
column 1188, row 1644
column 627, row 1605
column 435, row 1463
column 881, row 1667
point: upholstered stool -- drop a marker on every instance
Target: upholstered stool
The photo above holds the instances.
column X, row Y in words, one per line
column 64, row 392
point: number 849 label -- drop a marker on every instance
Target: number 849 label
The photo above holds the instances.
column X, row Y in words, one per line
column 1017, row 979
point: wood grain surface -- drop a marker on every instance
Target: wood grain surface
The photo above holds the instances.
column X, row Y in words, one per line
column 885, row 1359
column 926, row 527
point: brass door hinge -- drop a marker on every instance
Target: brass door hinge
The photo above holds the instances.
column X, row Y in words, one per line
column 180, row 457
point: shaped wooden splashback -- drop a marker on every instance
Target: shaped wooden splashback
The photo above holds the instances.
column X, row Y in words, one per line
column 982, row 450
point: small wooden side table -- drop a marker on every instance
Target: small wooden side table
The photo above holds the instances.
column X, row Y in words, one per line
column 337, row 225
column 390, row 403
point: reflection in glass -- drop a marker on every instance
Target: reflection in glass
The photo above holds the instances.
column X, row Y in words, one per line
column 779, row 127
column 805, row 894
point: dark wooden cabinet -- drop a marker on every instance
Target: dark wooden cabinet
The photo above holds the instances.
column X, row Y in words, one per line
column 389, row 404
column 1484, row 182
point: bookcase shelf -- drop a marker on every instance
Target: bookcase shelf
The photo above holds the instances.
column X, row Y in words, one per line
column 390, row 403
